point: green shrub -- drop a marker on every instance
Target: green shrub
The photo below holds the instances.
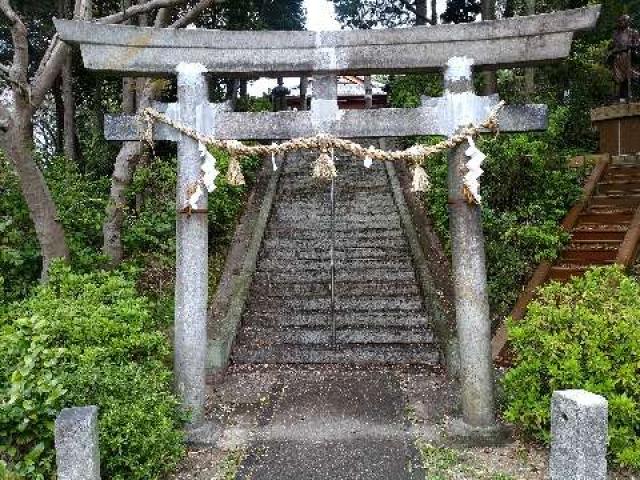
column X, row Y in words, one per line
column 527, row 189
column 19, row 250
column 151, row 228
column 583, row 334
column 87, row 340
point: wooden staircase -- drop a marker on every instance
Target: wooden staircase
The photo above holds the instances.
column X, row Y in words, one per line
column 604, row 226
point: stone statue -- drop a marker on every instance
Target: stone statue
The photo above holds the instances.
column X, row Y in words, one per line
column 626, row 43
column 279, row 96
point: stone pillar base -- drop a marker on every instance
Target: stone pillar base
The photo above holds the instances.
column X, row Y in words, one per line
column 460, row 433
column 205, row 435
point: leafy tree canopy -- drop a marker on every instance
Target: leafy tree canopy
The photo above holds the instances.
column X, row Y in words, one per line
column 367, row 14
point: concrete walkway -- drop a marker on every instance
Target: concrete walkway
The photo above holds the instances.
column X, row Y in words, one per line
column 333, row 425
column 328, row 422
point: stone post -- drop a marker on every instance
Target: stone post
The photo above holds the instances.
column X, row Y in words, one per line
column 578, row 436
column 76, row 443
column 304, row 83
column 468, row 257
column 190, row 342
column 324, row 103
column 368, row 92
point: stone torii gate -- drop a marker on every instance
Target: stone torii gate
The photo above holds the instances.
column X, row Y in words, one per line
column 452, row 49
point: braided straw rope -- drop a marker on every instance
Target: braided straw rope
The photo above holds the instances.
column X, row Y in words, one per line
column 322, row 142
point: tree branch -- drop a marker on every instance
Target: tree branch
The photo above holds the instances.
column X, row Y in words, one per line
column 50, row 66
column 5, row 71
column 194, row 13
column 411, row 7
column 18, row 72
column 139, row 10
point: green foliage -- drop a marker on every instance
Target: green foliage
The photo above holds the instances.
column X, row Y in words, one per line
column 406, row 90
column 19, row 250
column 87, row 339
column 461, row 11
column 150, row 217
column 526, row 191
column 81, row 200
column 582, row 334
column 368, row 14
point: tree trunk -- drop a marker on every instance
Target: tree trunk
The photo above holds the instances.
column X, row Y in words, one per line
column 59, row 105
column 136, row 94
column 120, row 181
column 530, row 73
column 42, row 209
column 490, row 82
column 69, row 103
column 421, row 12
column 434, row 12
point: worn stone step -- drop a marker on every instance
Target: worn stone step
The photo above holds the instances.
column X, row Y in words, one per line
column 315, row 189
column 354, row 221
column 319, row 199
column 320, row 202
column 393, row 264
column 340, row 253
column 259, row 337
column 322, row 211
column 304, row 181
column 294, row 305
column 342, row 242
column 385, row 354
column 346, row 174
column 343, row 319
column 315, row 276
column 343, row 232
column 346, row 288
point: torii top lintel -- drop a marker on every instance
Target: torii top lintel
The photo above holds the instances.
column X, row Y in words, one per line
column 517, row 41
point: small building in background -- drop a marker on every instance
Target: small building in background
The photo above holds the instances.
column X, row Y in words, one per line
column 351, row 94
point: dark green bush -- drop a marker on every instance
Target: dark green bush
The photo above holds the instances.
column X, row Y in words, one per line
column 526, row 190
column 19, row 250
column 151, row 227
column 583, row 334
column 87, row 340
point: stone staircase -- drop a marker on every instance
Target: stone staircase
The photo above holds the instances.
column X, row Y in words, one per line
column 605, row 222
column 378, row 314
column 604, row 228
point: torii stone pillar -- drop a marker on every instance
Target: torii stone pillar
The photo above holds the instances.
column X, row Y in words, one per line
column 473, row 321
column 459, row 107
column 190, row 329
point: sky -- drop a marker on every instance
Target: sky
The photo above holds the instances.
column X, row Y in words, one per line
column 321, row 15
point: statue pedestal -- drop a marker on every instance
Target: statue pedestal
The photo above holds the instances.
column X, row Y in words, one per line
column 619, row 128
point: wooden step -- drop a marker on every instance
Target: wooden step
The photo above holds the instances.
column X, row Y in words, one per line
column 594, row 235
column 595, row 245
column 623, row 186
column 586, row 256
column 616, row 200
column 562, row 273
column 604, row 218
column 595, row 209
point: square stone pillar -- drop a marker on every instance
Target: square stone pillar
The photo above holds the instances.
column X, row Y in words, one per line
column 578, row 436
column 76, row 442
